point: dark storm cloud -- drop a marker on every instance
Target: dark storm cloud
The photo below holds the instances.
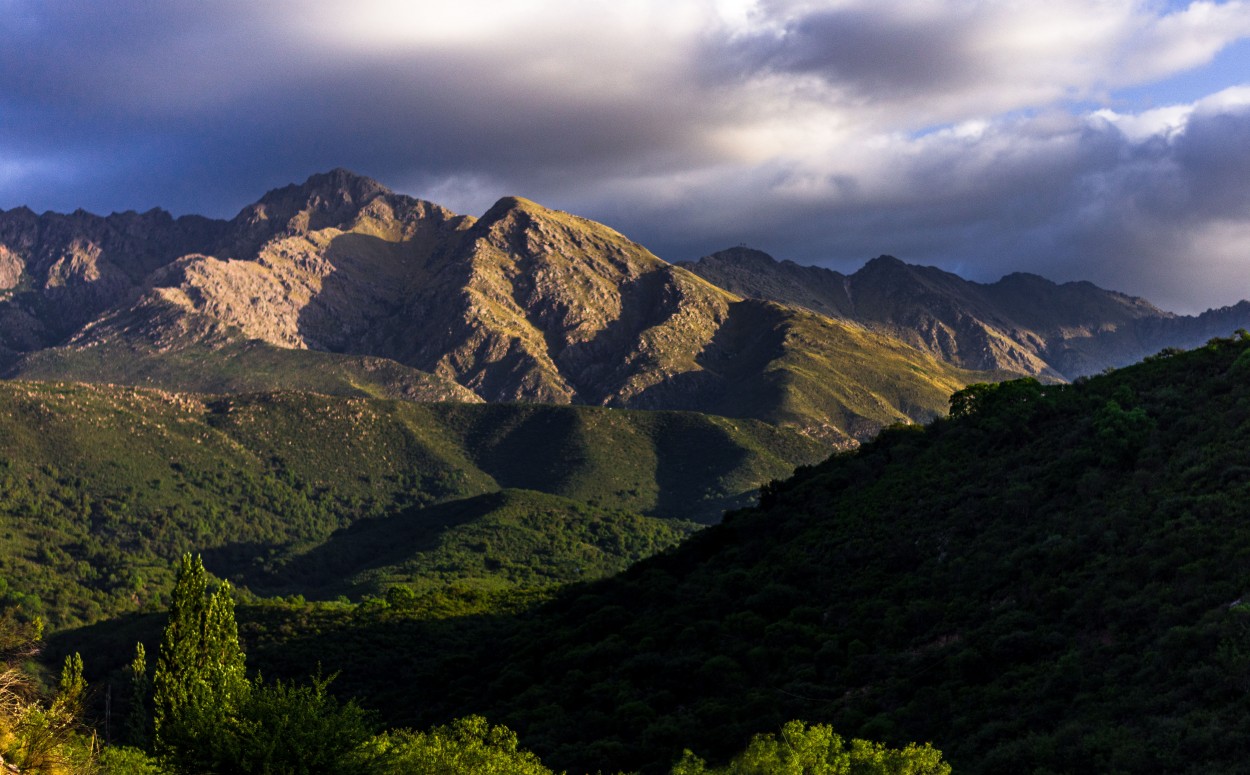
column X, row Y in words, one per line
column 162, row 97
column 1167, row 216
column 1175, row 217
column 866, row 51
column 820, row 132
column 1213, row 159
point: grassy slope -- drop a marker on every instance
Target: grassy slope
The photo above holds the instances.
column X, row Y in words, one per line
column 1053, row 583
column 670, row 464
column 833, row 378
column 101, row 487
column 238, row 367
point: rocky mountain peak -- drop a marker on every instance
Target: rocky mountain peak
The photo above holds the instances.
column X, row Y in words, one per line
column 508, row 204
column 515, row 211
column 524, row 233
column 883, row 264
column 506, row 211
column 324, row 200
column 337, row 185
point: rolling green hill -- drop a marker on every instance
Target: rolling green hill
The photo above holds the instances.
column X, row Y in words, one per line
column 518, row 540
column 1053, row 580
column 101, row 487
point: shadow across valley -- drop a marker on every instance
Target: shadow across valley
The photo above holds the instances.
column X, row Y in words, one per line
column 324, row 571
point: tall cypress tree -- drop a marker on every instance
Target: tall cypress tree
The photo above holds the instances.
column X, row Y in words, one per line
column 200, row 680
column 139, row 719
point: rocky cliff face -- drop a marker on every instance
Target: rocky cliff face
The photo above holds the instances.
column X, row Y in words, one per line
column 557, row 308
column 59, row 272
column 1022, row 324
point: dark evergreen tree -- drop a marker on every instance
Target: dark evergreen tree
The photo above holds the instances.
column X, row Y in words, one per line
column 139, row 719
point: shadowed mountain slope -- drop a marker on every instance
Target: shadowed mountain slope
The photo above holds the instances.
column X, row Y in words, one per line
column 59, row 272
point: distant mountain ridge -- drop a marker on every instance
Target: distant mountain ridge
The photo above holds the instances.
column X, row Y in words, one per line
column 1022, row 323
column 58, row 272
column 523, row 304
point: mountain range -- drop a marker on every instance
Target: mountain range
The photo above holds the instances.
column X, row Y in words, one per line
column 1023, row 323
column 340, row 286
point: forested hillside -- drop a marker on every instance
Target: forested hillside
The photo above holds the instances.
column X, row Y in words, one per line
column 1052, row 580
column 101, row 488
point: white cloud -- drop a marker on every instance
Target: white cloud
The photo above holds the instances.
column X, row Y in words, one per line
column 1232, row 98
column 1182, row 40
column 912, row 62
column 1159, row 122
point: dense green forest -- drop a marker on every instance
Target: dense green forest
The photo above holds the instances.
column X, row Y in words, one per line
column 102, row 488
column 197, row 711
column 1051, row 580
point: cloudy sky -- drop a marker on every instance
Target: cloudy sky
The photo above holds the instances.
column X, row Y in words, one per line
column 1079, row 139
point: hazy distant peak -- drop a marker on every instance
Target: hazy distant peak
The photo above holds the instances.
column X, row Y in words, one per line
column 888, row 271
column 1022, row 323
column 132, row 218
column 1024, row 277
column 886, row 266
